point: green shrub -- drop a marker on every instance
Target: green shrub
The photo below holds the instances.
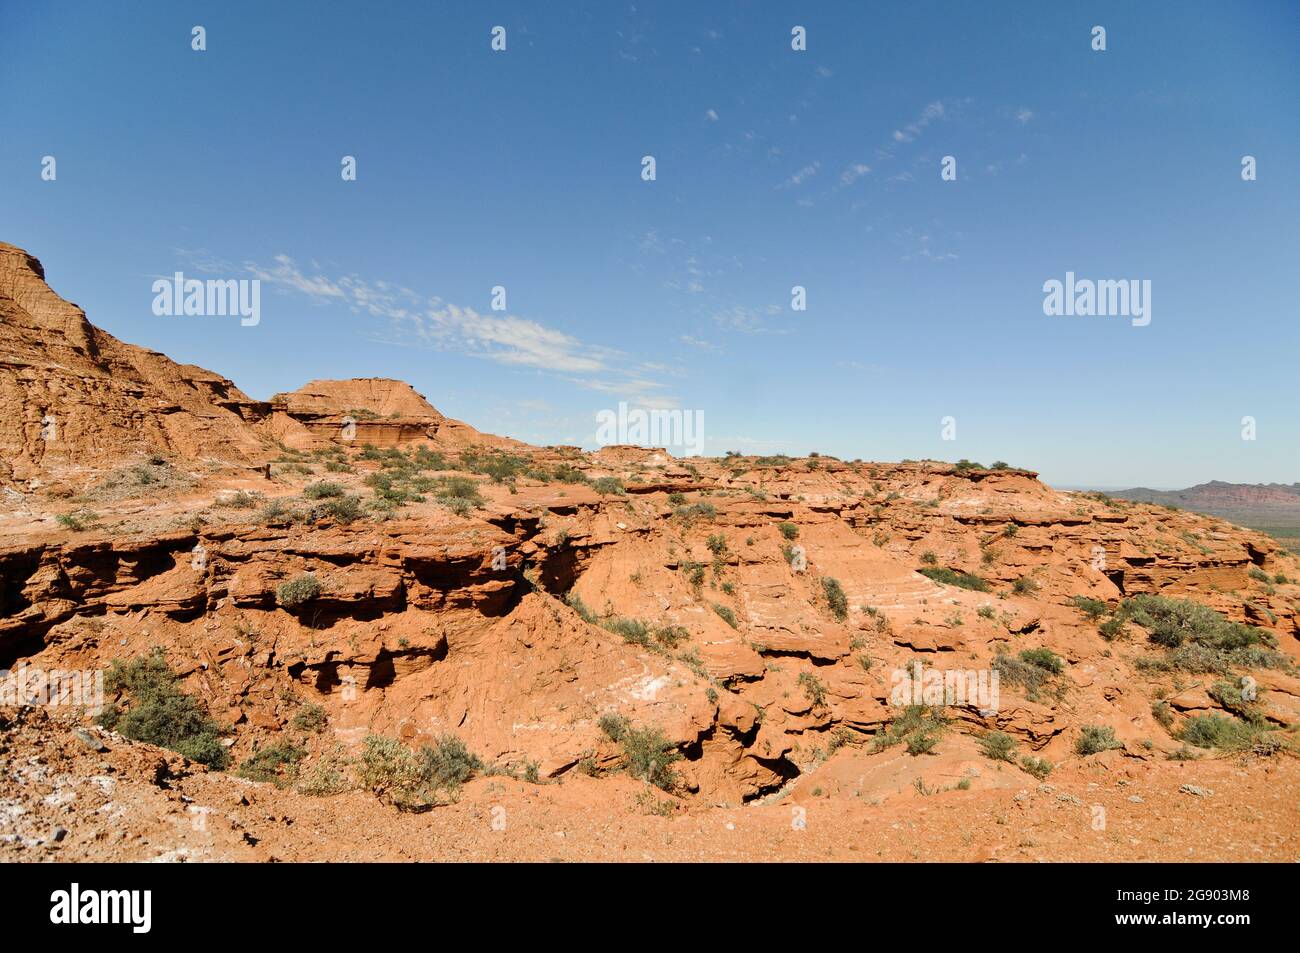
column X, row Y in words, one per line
column 835, row 598
column 614, row 726
column 447, row 763
column 459, row 488
column 921, row 743
column 726, row 614
column 632, row 630
column 1227, row 734
column 277, row 763
column 701, row 510
column 78, row 521
column 918, row 726
column 608, row 485
column 1038, row 767
column 322, row 490
column 788, row 530
column 310, row 717
column 297, row 591
column 1163, row 713
column 1024, row 586
column 497, row 466
column 1231, row 697
column 568, row 474
column 242, row 500
column 998, row 746
column 274, row 511
column 457, row 504
column 671, row 636
column 1173, row 622
column 160, row 713
column 345, row 509
column 648, row 755
column 950, row 578
column 814, row 688
column 1112, row 628
column 328, row 774
column 413, row 780
column 1044, row 658
column 1095, row 738
column 574, row 602
column 1025, row 674
column 717, row 544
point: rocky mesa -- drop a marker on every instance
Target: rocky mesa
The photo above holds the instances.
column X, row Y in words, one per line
column 339, row 606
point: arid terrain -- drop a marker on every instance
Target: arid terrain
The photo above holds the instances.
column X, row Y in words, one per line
column 1272, row 508
column 363, row 630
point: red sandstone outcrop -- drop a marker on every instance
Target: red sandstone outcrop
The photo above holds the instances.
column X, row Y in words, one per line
column 517, row 621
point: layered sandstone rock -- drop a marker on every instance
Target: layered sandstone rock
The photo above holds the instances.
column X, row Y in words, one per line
column 380, row 412
column 73, row 394
column 517, row 621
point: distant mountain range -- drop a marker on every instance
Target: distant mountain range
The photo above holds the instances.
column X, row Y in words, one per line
column 1269, row 507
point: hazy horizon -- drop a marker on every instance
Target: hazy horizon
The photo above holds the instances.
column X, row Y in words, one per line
column 775, row 168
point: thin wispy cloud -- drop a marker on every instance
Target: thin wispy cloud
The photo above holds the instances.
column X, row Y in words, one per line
column 405, row 317
column 802, row 176
column 854, row 172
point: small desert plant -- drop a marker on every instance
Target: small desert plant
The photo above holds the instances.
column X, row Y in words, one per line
column 78, row 521
column 1225, row 733
column 614, row 726
column 413, row 780
column 998, row 746
column 160, row 713
column 1044, row 658
column 835, row 598
column 1094, row 609
column 814, row 688
column 1024, row 586
column 1096, row 738
column 1038, row 767
column 322, row 490
column 648, row 755
column 1111, row 629
column 328, row 774
column 918, row 726
column 277, row 763
column 608, row 486
column 310, row 717
column 788, row 530
column 297, row 591
column 949, row 577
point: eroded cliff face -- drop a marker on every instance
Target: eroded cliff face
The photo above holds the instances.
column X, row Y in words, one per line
column 71, row 394
column 758, row 611
column 429, row 622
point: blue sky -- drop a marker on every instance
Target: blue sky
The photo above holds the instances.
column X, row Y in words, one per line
column 775, row 168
